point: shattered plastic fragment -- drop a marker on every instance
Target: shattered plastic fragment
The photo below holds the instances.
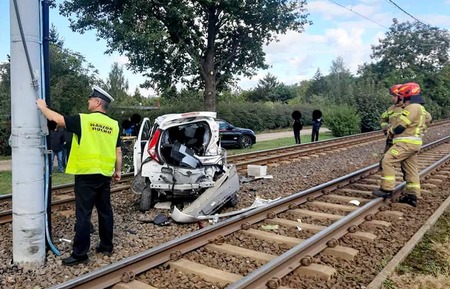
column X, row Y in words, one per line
column 355, row 202
column 270, row 227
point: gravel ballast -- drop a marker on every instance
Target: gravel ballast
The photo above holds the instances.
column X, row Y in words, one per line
column 132, row 235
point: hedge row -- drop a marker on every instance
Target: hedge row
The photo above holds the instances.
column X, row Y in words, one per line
column 341, row 120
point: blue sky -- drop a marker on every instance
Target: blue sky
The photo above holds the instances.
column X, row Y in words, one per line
column 336, row 31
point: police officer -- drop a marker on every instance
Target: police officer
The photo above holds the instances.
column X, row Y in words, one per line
column 406, row 130
column 95, row 157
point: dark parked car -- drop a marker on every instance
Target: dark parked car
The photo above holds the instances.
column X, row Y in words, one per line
column 231, row 136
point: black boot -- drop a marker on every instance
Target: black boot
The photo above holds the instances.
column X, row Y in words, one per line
column 74, row 260
column 409, row 199
column 382, row 193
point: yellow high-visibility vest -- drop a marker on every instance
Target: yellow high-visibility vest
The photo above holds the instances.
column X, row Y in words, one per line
column 95, row 153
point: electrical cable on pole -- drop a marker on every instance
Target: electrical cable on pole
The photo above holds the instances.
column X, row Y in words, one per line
column 46, row 95
column 404, row 11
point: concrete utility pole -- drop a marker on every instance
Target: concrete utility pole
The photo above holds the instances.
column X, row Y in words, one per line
column 27, row 134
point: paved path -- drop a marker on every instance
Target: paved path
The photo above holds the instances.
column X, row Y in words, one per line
column 287, row 133
column 5, row 165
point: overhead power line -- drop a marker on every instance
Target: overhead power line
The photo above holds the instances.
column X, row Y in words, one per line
column 359, row 14
column 403, row 10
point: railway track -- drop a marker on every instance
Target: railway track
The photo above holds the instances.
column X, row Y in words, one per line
column 283, row 244
column 63, row 194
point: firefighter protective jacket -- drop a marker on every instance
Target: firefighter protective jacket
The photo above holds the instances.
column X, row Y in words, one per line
column 392, row 112
column 415, row 119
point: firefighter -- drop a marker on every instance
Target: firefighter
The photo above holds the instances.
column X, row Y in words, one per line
column 406, row 130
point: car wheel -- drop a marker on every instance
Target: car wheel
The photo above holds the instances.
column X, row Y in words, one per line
column 245, row 142
column 147, row 199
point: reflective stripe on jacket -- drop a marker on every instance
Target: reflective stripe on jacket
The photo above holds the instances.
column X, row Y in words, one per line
column 96, row 151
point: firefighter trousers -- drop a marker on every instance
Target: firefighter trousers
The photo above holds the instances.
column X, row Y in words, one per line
column 405, row 155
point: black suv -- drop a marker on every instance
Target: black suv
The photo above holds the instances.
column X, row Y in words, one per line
column 231, row 136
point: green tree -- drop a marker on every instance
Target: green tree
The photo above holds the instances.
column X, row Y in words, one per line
column 340, row 82
column 270, row 89
column 371, row 100
column 264, row 88
column 116, row 83
column 409, row 51
column 71, row 78
column 199, row 43
column 5, row 108
column 414, row 52
column 318, row 86
column 5, row 89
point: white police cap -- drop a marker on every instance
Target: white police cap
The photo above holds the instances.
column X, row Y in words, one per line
column 100, row 93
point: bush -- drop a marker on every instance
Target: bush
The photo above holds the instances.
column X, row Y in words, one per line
column 343, row 120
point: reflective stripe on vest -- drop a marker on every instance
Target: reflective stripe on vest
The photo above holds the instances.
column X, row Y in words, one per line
column 96, row 152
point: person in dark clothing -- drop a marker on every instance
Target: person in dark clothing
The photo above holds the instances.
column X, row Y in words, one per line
column 297, row 125
column 67, row 144
column 135, row 124
column 316, row 124
column 57, row 145
column 126, row 127
column 95, row 157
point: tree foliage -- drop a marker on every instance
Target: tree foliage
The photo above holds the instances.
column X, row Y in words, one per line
column 200, row 43
column 116, row 84
column 71, row 78
column 339, row 82
column 410, row 50
column 5, row 90
column 414, row 52
column 270, row 89
column 343, row 120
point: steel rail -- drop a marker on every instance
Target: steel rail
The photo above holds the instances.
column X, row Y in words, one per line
column 297, row 147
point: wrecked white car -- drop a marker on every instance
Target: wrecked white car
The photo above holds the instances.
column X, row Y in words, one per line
column 179, row 159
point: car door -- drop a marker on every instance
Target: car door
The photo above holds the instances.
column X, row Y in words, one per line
column 139, row 145
column 227, row 134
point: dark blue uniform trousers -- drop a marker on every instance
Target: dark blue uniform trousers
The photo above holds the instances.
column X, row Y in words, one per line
column 90, row 191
